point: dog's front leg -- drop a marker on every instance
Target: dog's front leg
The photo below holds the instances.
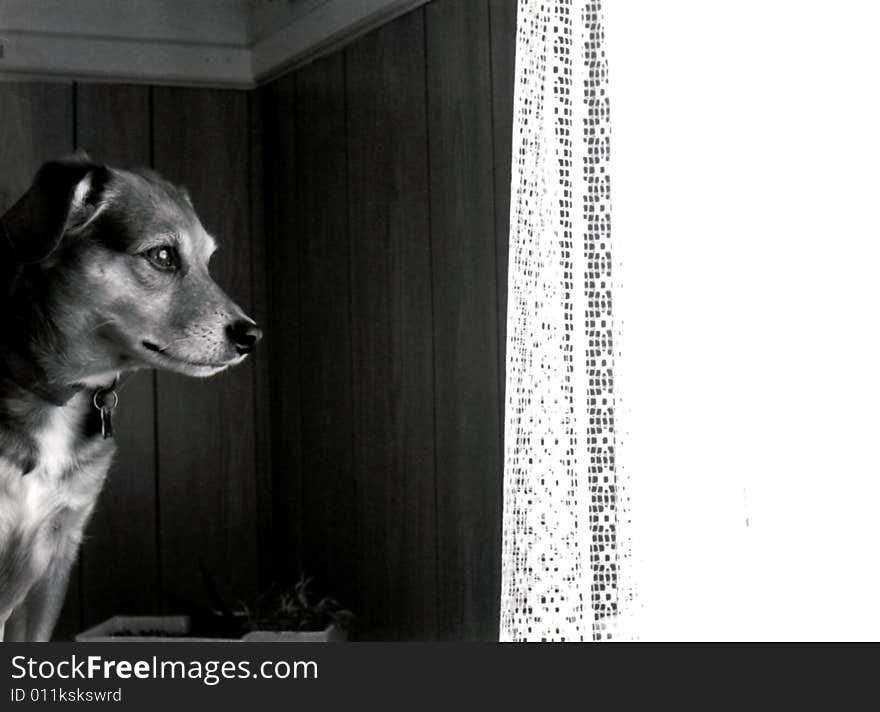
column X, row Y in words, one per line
column 7, row 629
column 46, row 596
column 16, row 625
column 44, row 601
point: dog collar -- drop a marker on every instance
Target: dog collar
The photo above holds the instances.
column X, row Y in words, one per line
column 105, row 401
column 57, row 396
column 29, row 378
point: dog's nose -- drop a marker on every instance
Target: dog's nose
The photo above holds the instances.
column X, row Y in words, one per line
column 244, row 334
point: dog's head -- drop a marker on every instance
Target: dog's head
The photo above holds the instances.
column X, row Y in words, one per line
column 114, row 264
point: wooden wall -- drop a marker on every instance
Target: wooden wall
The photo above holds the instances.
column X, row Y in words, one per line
column 361, row 206
column 184, row 486
column 387, row 180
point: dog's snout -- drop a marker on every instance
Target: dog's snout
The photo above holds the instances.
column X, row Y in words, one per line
column 244, row 334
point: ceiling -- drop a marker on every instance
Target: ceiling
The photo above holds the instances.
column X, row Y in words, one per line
column 230, row 43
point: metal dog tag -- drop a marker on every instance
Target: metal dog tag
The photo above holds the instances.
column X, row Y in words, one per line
column 106, row 423
column 106, row 402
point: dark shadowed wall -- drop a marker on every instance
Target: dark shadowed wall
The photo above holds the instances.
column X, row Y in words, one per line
column 361, row 204
column 387, row 180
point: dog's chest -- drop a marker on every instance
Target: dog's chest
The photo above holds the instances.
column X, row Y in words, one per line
column 53, row 500
column 69, row 466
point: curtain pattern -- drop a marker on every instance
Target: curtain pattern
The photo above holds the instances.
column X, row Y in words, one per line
column 560, row 547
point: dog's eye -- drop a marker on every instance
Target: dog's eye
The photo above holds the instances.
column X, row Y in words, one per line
column 163, row 257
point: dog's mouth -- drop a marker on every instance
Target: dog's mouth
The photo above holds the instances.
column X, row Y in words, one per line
column 203, row 366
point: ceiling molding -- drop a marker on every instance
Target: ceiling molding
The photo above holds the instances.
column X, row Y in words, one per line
column 225, row 43
column 60, row 57
column 326, row 28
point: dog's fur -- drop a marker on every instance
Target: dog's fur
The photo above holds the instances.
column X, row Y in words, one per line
column 101, row 271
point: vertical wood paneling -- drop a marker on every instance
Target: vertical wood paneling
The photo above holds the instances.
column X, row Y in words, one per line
column 465, row 318
column 36, row 125
column 259, row 361
column 391, row 331
column 282, row 341
column 502, row 18
column 118, row 558
column 325, row 358
column 207, row 487
column 362, row 207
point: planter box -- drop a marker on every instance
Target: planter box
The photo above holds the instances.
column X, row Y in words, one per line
column 176, row 629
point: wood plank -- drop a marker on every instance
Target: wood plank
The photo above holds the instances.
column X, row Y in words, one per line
column 282, row 341
column 469, row 463
column 392, row 331
column 118, row 558
column 259, row 362
column 502, row 18
column 207, row 493
column 36, row 125
column 329, row 498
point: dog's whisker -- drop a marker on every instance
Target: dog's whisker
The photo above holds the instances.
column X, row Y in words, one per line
column 167, row 346
column 102, row 323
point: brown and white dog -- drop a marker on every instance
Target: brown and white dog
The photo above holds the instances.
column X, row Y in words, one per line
column 101, row 271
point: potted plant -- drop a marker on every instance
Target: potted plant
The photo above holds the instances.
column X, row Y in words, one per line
column 294, row 615
column 286, row 615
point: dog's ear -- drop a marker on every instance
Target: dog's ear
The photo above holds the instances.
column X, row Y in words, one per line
column 186, row 196
column 61, row 190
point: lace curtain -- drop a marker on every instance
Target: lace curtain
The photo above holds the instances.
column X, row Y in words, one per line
column 560, row 550
column 698, row 462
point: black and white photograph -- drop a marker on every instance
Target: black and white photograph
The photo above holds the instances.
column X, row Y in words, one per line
column 361, row 321
column 253, row 361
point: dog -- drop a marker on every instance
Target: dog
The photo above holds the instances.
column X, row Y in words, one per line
column 102, row 271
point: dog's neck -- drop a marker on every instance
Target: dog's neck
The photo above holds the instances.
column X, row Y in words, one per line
column 36, row 355
column 29, row 404
column 28, row 376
